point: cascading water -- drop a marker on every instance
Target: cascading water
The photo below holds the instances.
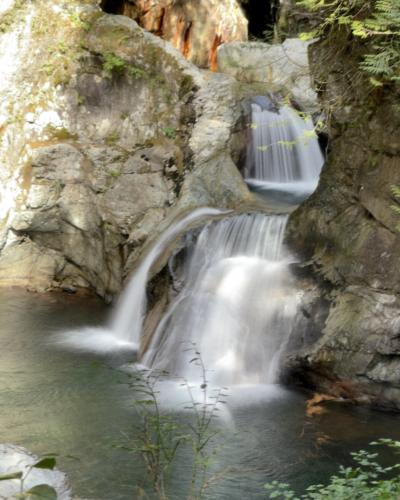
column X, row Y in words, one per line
column 128, row 318
column 125, row 327
column 284, row 153
column 238, row 301
column 236, row 306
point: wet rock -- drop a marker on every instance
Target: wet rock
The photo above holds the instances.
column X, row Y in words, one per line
column 284, row 67
column 348, row 233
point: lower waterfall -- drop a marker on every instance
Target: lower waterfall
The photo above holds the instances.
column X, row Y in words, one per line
column 236, row 306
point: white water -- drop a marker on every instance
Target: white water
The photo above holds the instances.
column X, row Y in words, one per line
column 236, row 306
column 128, row 318
column 284, row 153
column 126, row 324
column 238, row 301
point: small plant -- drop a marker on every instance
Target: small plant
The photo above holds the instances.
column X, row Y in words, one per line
column 40, row 491
column 368, row 480
column 78, row 22
column 113, row 64
column 161, row 435
column 137, row 73
column 396, row 194
column 170, row 132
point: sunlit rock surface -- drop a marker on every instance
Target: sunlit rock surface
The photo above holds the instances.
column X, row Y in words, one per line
column 104, row 130
column 17, row 459
column 284, row 67
column 195, row 27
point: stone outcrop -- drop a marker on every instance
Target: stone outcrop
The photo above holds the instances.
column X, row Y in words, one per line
column 348, row 233
column 284, row 68
column 106, row 131
column 195, row 27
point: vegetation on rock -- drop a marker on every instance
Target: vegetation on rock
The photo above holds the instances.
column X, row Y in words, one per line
column 367, row 480
column 373, row 22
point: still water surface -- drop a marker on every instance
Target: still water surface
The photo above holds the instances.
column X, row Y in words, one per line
column 79, row 405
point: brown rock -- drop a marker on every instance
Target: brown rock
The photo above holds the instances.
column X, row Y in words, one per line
column 195, row 27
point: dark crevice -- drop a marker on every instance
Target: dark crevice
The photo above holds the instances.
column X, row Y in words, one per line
column 159, row 31
column 262, row 16
column 113, row 6
column 186, row 39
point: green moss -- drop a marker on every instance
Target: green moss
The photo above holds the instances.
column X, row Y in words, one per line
column 115, row 173
column 11, row 16
column 112, row 138
column 60, row 133
column 113, row 64
column 170, row 132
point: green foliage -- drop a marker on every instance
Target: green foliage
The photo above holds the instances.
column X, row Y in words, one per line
column 40, row 491
column 136, row 72
column 113, row 64
column 368, row 480
column 377, row 22
column 170, row 132
column 160, row 435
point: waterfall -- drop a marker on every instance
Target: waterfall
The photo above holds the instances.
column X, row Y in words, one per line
column 236, row 301
column 284, row 153
column 236, row 305
column 127, row 321
column 125, row 328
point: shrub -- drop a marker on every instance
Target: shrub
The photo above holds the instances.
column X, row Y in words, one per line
column 368, row 480
column 376, row 22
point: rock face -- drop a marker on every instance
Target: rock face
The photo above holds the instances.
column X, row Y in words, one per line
column 195, row 27
column 283, row 67
column 348, row 233
column 104, row 133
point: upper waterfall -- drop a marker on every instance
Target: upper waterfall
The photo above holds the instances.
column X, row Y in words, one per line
column 283, row 153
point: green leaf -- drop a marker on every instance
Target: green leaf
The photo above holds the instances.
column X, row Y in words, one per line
column 46, row 463
column 41, row 492
column 11, row 475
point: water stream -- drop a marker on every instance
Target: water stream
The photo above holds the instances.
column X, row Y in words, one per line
column 238, row 300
